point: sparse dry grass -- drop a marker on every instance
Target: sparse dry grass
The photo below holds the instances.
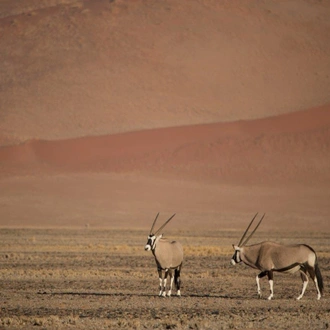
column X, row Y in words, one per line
column 92, row 279
column 207, row 250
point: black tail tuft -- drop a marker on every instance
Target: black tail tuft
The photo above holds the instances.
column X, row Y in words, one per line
column 319, row 277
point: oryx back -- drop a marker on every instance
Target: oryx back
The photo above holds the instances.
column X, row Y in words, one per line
column 285, row 258
column 169, row 254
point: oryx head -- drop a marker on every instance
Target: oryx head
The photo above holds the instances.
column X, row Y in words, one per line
column 152, row 237
column 236, row 258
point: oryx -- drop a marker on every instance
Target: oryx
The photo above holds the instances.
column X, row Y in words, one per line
column 169, row 257
column 271, row 257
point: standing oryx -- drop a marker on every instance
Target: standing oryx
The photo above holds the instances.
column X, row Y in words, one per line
column 269, row 257
column 169, row 257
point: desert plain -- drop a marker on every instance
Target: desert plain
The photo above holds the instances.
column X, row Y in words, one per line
column 113, row 111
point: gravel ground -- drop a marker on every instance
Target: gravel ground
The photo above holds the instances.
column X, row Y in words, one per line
column 89, row 279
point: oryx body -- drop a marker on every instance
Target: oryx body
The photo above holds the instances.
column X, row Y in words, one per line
column 168, row 256
column 271, row 257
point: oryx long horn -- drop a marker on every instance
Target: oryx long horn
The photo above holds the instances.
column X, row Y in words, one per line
column 245, row 242
column 239, row 244
column 158, row 230
column 153, row 225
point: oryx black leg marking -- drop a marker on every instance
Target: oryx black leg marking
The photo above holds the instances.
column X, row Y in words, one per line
column 177, row 279
column 170, row 273
column 304, row 278
column 163, row 273
column 271, row 284
column 164, row 282
column 313, row 274
column 160, row 275
column 259, row 276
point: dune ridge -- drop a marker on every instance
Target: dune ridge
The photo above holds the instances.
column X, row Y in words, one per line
column 292, row 146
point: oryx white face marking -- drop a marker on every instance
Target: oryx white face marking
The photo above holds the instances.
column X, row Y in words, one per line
column 150, row 242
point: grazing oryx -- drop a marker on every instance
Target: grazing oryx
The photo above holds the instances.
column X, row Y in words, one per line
column 169, row 257
column 271, row 257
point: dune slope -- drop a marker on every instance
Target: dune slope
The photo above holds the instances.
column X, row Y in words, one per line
column 84, row 68
column 288, row 147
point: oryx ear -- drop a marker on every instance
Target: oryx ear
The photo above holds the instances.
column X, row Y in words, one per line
column 158, row 238
column 236, row 248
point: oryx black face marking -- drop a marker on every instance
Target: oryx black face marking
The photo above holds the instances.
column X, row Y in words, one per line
column 236, row 258
column 271, row 257
column 168, row 256
column 150, row 242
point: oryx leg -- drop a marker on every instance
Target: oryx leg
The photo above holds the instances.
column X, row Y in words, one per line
column 304, row 279
column 162, row 281
column 177, row 280
column 170, row 273
column 312, row 274
column 160, row 275
column 259, row 276
column 271, row 284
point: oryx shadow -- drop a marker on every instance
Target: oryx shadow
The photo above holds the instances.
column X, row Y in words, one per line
column 95, row 294
column 208, row 295
column 120, row 294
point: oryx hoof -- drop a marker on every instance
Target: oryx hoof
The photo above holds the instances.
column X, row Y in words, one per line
column 168, row 294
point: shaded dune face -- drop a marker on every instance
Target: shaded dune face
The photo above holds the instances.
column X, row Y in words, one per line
column 287, row 147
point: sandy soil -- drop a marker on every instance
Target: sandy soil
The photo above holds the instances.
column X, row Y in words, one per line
column 91, row 279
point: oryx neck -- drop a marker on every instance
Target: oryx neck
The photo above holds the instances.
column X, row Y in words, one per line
column 249, row 255
column 157, row 239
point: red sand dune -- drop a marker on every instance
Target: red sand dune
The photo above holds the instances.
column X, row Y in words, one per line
column 83, row 68
column 292, row 147
column 112, row 110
